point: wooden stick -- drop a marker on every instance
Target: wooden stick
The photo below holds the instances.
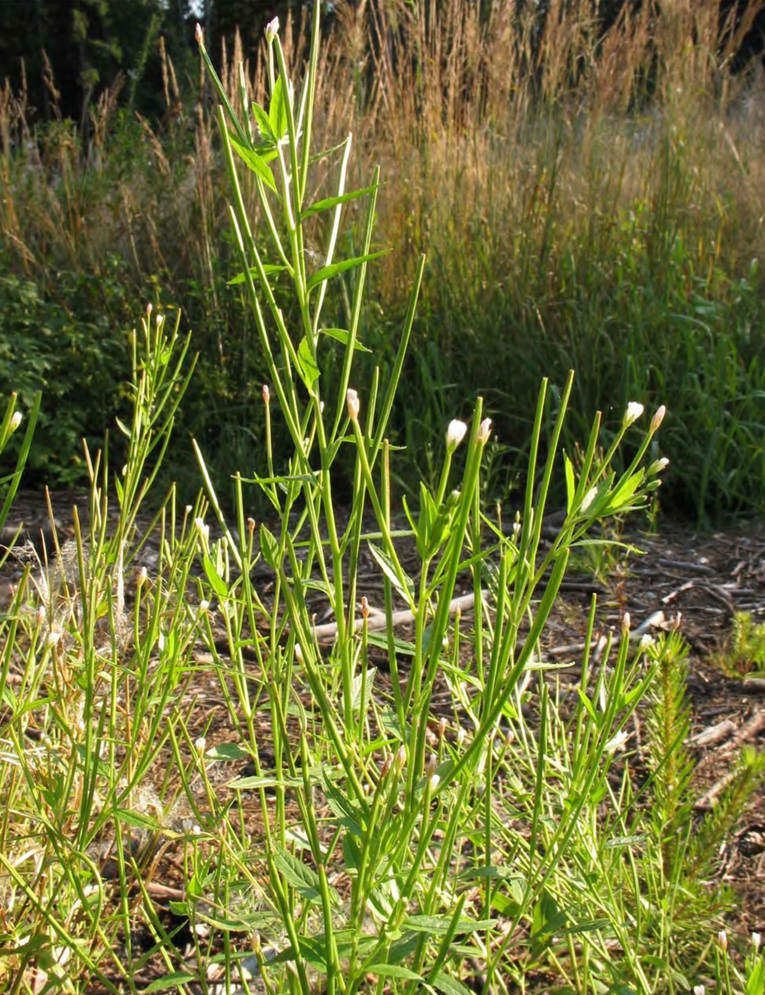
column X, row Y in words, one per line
column 378, row 620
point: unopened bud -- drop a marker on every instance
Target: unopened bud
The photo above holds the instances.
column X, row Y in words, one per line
column 352, row 403
column 588, row 498
column 756, row 941
column 204, row 606
column 442, row 723
column 250, row 525
column 400, row 758
column 364, row 607
column 658, row 417
column 657, row 466
column 265, row 393
column 202, row 529
column 141, row 577
column 272, row 30
column 430, row 764
column 626, row 622
column 722, row 939
column 199, row 744
column 386, row 766
column 455, row 433
column 634, row 411
column 15, row 420
column 484, row 431
column 198, row 36
column 433, row 781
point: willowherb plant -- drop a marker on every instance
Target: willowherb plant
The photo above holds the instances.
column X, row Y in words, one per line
column 371, row 877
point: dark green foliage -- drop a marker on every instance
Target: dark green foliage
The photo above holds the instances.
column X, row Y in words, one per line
column 80, row 366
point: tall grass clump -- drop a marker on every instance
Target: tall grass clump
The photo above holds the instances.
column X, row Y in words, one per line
column 208, row 787
column 590, row 195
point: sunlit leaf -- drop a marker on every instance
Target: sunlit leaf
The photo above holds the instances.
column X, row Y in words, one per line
column 327, row 272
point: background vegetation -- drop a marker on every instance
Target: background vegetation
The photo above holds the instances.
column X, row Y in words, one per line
column 586, row 179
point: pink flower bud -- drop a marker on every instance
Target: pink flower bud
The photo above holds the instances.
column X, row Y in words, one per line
column 198, row 36
column 484, row 431
column 658, row 417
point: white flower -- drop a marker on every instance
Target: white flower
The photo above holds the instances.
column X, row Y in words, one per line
column 199, row 744
column 15, row 420
column 272, row 29
column 455, row 433
column 634, row 411
column 756, row 941
column 352, row 403
column 202, row 528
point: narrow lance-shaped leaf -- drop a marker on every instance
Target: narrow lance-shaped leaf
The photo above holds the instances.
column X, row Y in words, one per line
column 254, row 162
column 327, row 272
column 327, row 203
column 277, row 110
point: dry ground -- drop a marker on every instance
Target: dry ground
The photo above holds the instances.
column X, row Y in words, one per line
column 696, row 581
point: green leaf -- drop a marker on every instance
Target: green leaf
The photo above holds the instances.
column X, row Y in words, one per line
column 264, row 124
column 309, row 370
column 327, row 272
column 228, row 751
column 441, row 924
column 136, row 819
column 172, row 980
column 269, row 547
column 216, row 581
column 268, row 268
column 278, row 109
column 389, row 569
column 300, row 877
column 393, row 971
column 343, row 335
column 447, row 985
column 568, row 468
column 351, row 854
column 329, row 202
column 255, row 163
column 251, row 783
